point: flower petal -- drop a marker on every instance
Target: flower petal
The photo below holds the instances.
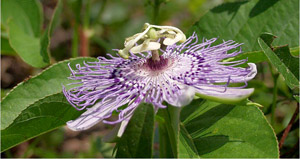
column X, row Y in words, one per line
column 230, row 96
column 116, row 132
column 88, row 119
column 253, row 72
column 186, row 97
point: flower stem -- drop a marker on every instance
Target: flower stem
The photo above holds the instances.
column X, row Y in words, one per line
column 84, row 37
column 275, row 76
column 84, row 42
column 156, row 11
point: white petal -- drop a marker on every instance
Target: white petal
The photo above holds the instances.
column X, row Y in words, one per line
column 116, row 132
column 186, row 97
column 123, row 127
column 230, row 96
column 253, row 72
column 87, row 119
column 145, row 47
column 248, row 77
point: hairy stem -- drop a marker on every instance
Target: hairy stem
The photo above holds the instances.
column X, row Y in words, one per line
column 84, row 42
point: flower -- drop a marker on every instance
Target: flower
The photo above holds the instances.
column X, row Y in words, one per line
column 180, row 72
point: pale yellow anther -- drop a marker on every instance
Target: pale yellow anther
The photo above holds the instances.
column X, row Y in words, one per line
column 123, row 54
column 147, row 40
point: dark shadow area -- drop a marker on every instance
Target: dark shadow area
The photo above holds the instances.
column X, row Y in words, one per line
column 204, row 146
column 203, row 122
column 232, row 7
column 208, row 119
column 187, row 111
column 261, row 6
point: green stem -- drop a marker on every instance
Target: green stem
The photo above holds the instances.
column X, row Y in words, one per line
column 165, row 150
column 156, row 11
column 274, row 100
column 275, row 76
column 86, row 18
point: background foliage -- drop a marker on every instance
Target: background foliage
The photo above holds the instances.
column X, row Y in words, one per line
column 39, row 37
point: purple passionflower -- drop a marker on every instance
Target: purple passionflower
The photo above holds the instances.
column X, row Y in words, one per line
column 181, row 71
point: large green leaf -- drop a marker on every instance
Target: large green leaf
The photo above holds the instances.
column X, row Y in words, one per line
column 27, row 15
column 282, row 59
column 245, row 21
column 215, row 130
column 47, row 83
column 43, row 116
column 137, row 139
column 23, row 23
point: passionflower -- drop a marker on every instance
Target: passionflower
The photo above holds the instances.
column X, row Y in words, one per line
column 174, row 74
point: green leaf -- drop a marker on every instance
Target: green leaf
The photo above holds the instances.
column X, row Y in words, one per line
column 27, row 15
column 46, row 83
column 297, row 98
column 55, row 17
column 187, row 149
column 282, row 59
column 214, row 130
column 6, row 48
column 295, row 51
column 23, row 21
column 28, row 47
column 169, row 131
column 245, row 21
column 137, row 140
column 165, row 150
column 43, row 116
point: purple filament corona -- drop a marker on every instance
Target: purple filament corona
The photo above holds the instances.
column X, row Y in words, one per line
column 108, row 84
